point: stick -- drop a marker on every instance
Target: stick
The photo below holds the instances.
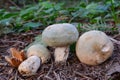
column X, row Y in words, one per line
column 116, row 36
column 3, row 64
column 56, row 75
column 16, row 75
column 46, row 76
column 115, row 41
column 75, row 78
column 14, row 4
column 82, row 75
column 50, row 70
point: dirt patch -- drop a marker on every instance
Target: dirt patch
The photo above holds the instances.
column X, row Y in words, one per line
column 71, row 70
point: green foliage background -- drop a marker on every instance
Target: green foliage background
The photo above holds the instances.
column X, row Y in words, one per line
column 90, row 14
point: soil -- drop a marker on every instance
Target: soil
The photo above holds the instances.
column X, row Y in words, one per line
column 73, row 69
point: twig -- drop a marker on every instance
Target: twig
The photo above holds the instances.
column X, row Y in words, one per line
column 75, row 78
column 50, row 69
column 46, row 76
column 40, row 76
column 82, row 75
column 16, row 75
column 27, row 34
column 118, row 35
column 5, row 41
column 3, row 64
column 14, row 4
column 3, row 46
column 56, row 75
column 115, row 41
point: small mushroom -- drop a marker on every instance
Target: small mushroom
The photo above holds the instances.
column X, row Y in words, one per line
column 39, row 50
column 94, row 47
column 29, row 66
column 36, row 53
column 60, row 36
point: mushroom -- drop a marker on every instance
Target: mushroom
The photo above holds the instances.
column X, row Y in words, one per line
column 39, row 50
column 29, row 66
column 36, row 53
column 94, row 47
column 60, row 36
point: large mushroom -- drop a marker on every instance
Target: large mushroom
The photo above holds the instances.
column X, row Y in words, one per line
column 60, row 36
column 94, row 47
column 36, row 54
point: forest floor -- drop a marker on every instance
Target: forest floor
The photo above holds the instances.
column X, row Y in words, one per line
column 73, row 69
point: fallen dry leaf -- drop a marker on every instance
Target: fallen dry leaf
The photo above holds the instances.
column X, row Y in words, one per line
column 17, row 57
column 20, row 55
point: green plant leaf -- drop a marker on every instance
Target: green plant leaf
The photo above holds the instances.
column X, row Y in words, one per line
column 49, row 10
column 47, row 4
column 32, row 24
column 9, row 14
column 6, row 22
column 29, row 10
column 58, row 6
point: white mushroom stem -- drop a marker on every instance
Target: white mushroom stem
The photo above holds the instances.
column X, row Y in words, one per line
column 61, row 54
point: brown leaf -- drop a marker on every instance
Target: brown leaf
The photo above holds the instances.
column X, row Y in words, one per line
column 8, row 59
column 13, row 61
column 14, row 52
column 17, row 57
column 20, row 55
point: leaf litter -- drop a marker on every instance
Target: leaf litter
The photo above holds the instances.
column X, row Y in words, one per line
column 73, row 69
